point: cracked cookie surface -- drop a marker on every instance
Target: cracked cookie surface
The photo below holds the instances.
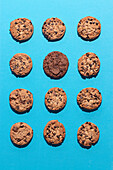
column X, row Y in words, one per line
column 21, row 64
column 53, row 29
column 21, row 100
column 21, row 134
column 89, row 99
column 89, row 28
column 88, row 134
column 55, row 99
column 55, row 65
column 54, row 132
column 21, row 29
column 89, row 65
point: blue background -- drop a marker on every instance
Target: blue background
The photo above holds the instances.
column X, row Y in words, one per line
column 38, row 155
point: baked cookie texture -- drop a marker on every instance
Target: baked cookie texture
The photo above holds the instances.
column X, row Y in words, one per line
column 55, row 65
column 53, row 29
column 54, row 133
column 89, row 99
column 21, row 134
column 21, row 100
column 55, row 99
column 89, row 65
column 88, row 134
column 21, row 64
column 89, row 28
column 21, row 29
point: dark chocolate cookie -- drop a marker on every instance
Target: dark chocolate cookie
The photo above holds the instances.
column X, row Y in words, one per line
column 88, row 134
column 55, row 64
column 89, row 28
column 89, row 99
column 89, row 65
column 55, row 99
column 53, row 29
column 21, row 100
column 21, row 64
column 21, row 29
column 54, row 132
column 21, row 134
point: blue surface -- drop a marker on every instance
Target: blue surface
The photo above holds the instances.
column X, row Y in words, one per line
column 38, row 155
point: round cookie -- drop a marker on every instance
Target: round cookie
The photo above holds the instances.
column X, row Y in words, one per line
column 88, row 134
column 89, row 99
column 21, row 29
column 89, row 65
column 55, row 99
column 21, row 134
column 53, row 29
column 89, row 28
column 54, row 132
column 21, row 100
column 21, row 64
column 55, row 65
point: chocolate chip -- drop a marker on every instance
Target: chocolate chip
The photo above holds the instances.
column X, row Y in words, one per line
column 18, row 140
column 17, row 107
column 15, row 129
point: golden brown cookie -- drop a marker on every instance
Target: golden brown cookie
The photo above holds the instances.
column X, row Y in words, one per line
column 53, row 29
column 54, row 133
column 89, row 28
column 21, row 29
column 55, row 65
column 89, row 99
column 55, row 99
column 88, row 134
column 89, row 65
column 21, row 64
column 21, row 100
column 21, row 134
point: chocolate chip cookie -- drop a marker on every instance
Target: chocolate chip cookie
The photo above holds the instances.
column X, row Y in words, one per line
column 54, row 132
column 89, row 28
column 55, row 65
column 89, row 99
column 21, row 100
column 88, row 134
column 21, row 134
column 89, row 65
column 21, row 64
column 53, row 29
column 21, row 29
column 55, row 99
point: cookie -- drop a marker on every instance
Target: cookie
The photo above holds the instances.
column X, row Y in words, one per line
column 89, row 65
column 55, row 65
column 88, row 134
column 89, row 99
column 55, row 99
column 53, row 29
column 21, row 64
column 21, row 134
column 21, row 100
column 21, row 29
column 89, row 28
column 54, row 132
